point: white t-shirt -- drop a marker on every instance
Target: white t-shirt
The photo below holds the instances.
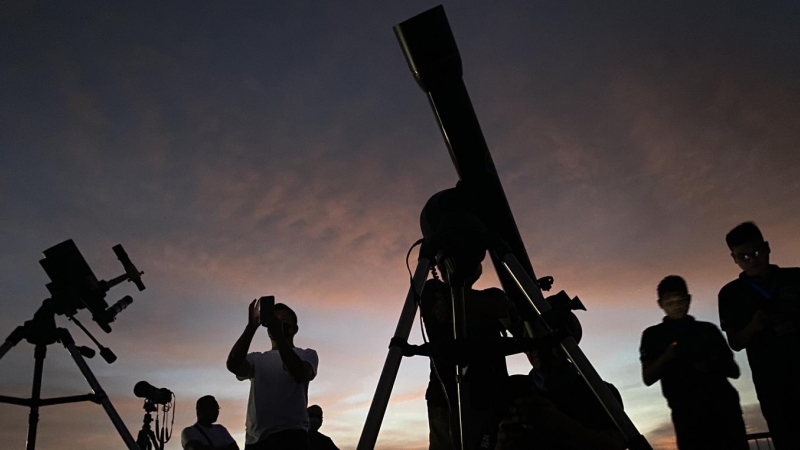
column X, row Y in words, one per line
column 276, row 401
column 217, row 434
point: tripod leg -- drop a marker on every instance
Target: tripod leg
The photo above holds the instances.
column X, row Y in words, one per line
column 369, row 435
column 457, row 294
column 633, row 438
column 99, row 392
column 33, row 419
column 143, row 440
column 12, row 340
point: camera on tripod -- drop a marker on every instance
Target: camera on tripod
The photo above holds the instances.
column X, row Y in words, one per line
column 152, row 394
column 153, row 398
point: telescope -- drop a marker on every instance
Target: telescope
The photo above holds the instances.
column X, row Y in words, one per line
column 465, row 222
column 73, row 286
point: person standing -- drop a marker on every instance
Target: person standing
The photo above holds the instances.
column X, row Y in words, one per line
column 693, row 363
column 760, row 312
column 276, row 408
column 485, row 311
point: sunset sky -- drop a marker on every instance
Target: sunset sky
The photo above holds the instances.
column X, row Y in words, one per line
column 240, row 149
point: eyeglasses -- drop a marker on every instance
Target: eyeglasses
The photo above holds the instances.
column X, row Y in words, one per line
column 750, row 256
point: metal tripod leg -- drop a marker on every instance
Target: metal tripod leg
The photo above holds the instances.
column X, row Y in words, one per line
column 463, row 420
column 33, row 418
column 100, row 393
column 380, row 401
column 633, row 438
column 12, row 340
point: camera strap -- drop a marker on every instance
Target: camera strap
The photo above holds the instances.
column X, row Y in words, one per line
column 197, row 426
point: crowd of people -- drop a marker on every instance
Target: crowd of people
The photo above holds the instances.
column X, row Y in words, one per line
column 552, row 407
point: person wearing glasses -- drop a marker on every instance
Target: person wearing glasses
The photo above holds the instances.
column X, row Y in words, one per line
column 760, row 312
column 205, row 434
column 693, row 363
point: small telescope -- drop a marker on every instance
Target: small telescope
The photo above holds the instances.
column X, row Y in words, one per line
column 74, row 286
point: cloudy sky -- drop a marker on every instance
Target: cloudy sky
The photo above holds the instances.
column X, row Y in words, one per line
column 239, row 150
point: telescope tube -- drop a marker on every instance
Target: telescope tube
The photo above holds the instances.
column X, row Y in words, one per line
column 432, row 55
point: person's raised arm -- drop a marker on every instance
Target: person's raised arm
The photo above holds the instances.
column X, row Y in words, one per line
column 300, row 370
column 237, row 358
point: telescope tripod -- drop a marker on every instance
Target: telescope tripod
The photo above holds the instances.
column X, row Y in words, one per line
column 41, row 331
column 533, row 295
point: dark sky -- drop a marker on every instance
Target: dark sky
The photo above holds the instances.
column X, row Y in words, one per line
column 254, row 148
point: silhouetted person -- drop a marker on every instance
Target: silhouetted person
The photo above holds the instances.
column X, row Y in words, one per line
column 693, row 363
column 759, row 312
column 317, row 440
column 552, row 408
column 205, row 434
column 276, row 409
column 484, row 310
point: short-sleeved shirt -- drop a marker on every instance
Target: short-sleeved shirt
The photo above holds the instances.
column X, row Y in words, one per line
column 683, row 384
column 276, row 402
column 484, row 374
column 215, row 436
column 773, row 353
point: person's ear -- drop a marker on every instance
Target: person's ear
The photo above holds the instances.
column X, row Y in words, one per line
column 689, row 297
column 766, row 247
column 734, row 258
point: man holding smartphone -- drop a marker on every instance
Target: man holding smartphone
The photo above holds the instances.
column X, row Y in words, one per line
column 276, row 409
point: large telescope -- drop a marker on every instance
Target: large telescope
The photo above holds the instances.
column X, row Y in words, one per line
column 430, row 49
column 432, row 55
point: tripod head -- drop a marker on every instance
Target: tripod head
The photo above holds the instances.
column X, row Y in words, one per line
column 74, row 286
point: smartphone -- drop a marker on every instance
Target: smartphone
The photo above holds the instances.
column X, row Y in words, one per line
column 266, row 305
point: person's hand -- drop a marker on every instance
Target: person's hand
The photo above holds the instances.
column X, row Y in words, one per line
column 671, row 352
column 761, row 319
column 253, row 315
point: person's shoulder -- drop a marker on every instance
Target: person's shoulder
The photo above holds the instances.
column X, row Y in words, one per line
column 653, row 330
column 188, row 433
column 493, row 291
column 255, row 356
column 306, row 353
column 733, row 287
column 709, row 327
